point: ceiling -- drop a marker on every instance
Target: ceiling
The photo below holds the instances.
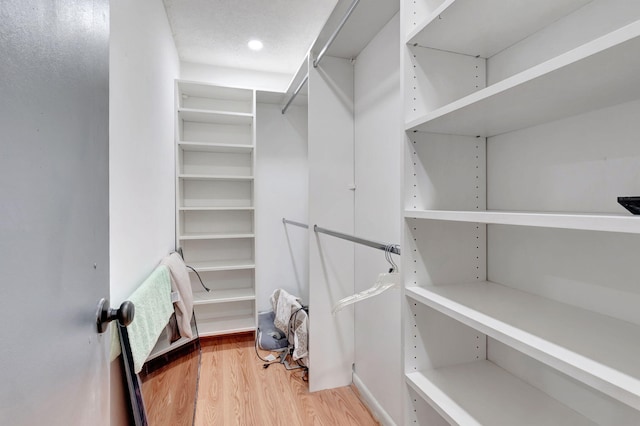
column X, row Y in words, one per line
column 216, row 32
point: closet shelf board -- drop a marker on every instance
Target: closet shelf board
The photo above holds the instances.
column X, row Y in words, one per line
column 215, row 209
column 215, row 147
column 486, row 27
column 194, row 236
column 215, row 177
column 596, row 349
column 581, row 221
column 226, row 325
column 197, row 89
column 573, row 83
column 469, row 394
column 223, row 296
column 215, row 117
column 221, row 265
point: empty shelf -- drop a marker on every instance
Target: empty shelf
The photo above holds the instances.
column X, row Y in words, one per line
column 215, row 147
column 580, row 221
column 223, row 296
column 481, row 393
column 486, row 27
column 532, row 96
column 215, row 117
column 221, row 265
column 215, row 177
column 596, row 349
column 226, row 325
column 215, row 209
column 197, row 89
column 194, row 236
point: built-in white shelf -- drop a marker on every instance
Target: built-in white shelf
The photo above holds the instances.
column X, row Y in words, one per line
column 486, row 27
column 215, row 117
column 215, row 147
column 215, row 209
column 223, row 296
column 573, row 83
column 199, row 90
column 481, row 393
column 596, row 349
column 227, row 325
column 582, row 221
column 215, row 177
column 205, row 236
column 222, row 265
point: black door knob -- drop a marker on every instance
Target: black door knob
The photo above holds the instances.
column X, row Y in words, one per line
column 106, row 314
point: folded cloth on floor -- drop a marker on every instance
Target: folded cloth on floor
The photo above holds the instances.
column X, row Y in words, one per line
column 153, row 308
column 181, row 283
column 288, row 311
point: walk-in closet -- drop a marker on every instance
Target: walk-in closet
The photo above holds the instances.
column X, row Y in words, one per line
column 339, row 212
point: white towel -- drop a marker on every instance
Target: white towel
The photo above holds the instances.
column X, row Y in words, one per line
column 181, row 283
column 284, row 306
column 301, row 337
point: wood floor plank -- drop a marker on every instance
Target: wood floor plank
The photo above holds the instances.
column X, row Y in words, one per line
column 235, row 389
column 253, row 395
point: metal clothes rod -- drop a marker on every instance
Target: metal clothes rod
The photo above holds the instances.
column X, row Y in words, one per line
column 316, row 62
column 358, row 240
column 291, row 222
column 295, row 93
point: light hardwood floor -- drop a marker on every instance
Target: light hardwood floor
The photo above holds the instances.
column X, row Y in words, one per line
column 235, row 389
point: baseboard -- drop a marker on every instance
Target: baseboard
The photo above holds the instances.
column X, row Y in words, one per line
column 368, row 399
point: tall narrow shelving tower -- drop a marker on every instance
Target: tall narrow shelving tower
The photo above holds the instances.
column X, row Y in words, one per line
column 521, row 290
column 215, row 163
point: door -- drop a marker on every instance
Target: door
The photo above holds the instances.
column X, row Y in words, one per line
column 54, row 257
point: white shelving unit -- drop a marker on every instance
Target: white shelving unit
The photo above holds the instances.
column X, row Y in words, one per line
column 490, row 111
column 580, row 221
column 481, row 27
column 519, row 402
column 519, row 265
column 215, row 214
column 573, row 340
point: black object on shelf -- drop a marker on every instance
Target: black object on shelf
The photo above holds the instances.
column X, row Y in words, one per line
column 630, row 203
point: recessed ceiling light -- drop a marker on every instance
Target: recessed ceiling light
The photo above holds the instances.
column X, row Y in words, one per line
column 255, row 45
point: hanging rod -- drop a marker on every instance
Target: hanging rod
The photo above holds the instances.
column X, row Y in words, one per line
column 316, row 62
column 380, row 246
column 291, row 222
column 295, row 93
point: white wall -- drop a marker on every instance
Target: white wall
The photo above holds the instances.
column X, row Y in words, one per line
column 143, row 65
column 378, row 132
column 281, row 191
column 330, row 206
column 234, row 77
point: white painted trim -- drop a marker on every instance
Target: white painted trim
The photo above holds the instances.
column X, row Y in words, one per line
column 372, row 404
